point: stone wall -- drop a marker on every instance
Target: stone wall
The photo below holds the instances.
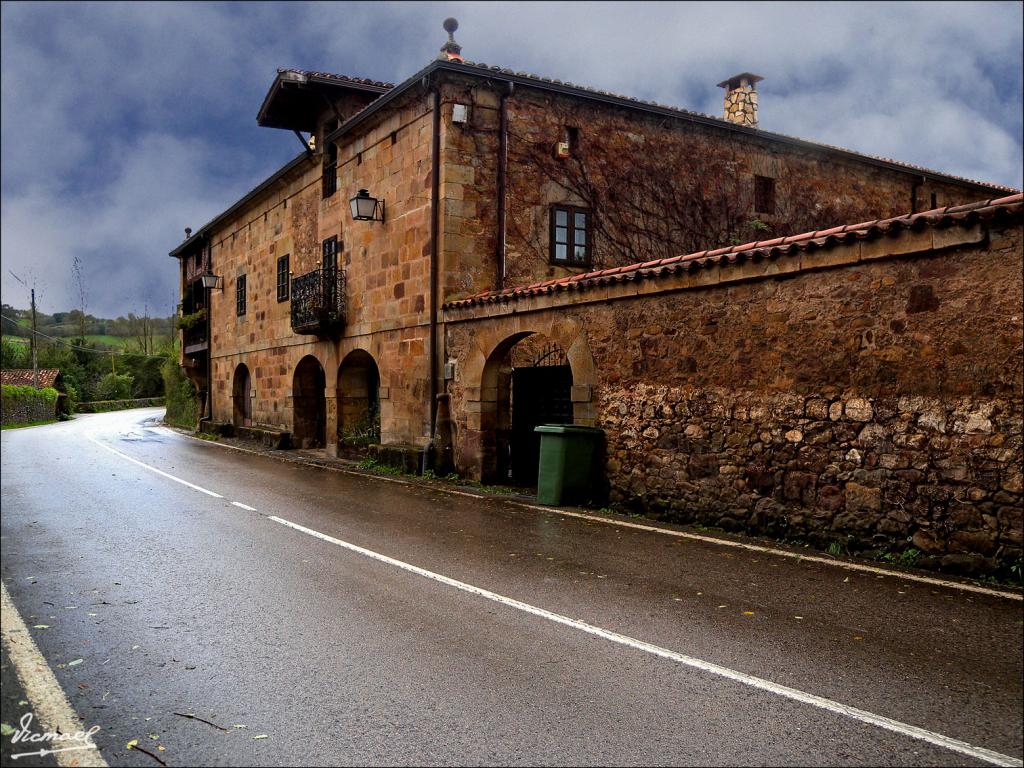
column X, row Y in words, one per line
column 622, row 161
column 869, row 394
column 26, row 404
column 386, row 264
column 886, row 473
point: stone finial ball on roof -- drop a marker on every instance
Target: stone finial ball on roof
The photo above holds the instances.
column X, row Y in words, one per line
column 451, row 51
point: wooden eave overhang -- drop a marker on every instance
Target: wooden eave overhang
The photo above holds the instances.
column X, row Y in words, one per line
column 296, row 98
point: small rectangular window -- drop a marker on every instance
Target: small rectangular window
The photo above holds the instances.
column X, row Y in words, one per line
column 240, row 295
column 330, row 253
column 764, row 194
column 282, row 278
column 330, row 171
column 570, row 236
column 572, row 138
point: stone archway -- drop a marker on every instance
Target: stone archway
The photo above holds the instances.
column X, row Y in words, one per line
column 486, row 378
column 309, row 404
column 358, row 395
column 241, row 397
column 533, row 387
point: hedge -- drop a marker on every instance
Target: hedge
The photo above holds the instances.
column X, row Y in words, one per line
column 182, row 403
column 27, row 405
column 102, row 406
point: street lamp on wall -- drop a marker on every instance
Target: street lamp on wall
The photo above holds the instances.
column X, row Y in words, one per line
column 366, row 208
column 211, row 281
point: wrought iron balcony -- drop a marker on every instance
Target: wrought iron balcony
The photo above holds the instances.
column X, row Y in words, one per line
column 318, row 302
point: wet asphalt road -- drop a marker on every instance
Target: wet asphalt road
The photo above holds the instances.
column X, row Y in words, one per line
column 181, row 602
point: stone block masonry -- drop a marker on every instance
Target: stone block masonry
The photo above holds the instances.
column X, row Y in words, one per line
column 888, row 473
column 27, row 405
column 867, row 393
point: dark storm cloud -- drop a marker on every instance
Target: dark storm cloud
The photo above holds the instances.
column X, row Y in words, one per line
column 124, row 123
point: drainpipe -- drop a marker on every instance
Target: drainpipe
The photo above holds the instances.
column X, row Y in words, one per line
column 209, row 350
column 499, row 279
column 435, row 191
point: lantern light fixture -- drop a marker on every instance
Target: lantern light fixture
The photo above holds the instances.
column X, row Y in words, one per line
column 211, row 281
column 366, row 208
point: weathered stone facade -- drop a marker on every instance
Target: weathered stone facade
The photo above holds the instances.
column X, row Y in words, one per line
column 618, row 153
column 891, row 472
column 387, row 282
column 27, row 407
column 737, row 398
column 845, row 395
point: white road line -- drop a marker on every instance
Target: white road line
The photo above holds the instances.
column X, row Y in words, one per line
column 844, row 564
column 193, row 486
column 49, row 704
column 937, row 739
column 244, row 506
column 921, row 734
column 784, row 553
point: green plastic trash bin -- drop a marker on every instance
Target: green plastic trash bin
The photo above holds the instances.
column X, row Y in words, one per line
column 568, row 454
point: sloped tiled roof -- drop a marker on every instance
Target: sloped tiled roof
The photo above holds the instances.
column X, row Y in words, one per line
column 550, row 83
column 22, row 377
column 337, row 78
column 958, row 215
column 725, row 123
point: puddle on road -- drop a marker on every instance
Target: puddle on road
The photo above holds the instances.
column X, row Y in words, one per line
column 147, row 431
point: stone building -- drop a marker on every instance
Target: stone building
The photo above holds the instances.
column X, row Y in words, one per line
column 522, row 262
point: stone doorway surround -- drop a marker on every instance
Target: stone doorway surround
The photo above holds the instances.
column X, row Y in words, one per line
column 477, row 378
column 309, row 404
column 358, row 399
column 242, row 396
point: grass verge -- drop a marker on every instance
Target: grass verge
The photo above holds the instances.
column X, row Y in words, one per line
column 29, row 424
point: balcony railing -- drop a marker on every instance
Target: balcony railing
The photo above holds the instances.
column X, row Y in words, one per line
column 318, row 302
column 194, row 339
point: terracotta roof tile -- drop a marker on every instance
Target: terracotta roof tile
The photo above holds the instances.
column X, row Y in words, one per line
column 825, row 238
column 338, row 78
column 705, row 116
column 542, row 82
column 22, row 377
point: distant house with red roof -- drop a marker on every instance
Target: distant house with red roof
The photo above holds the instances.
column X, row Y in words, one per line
column 24, row 377
column 49, row 378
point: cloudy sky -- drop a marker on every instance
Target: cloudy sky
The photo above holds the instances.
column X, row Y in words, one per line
column 124, row 123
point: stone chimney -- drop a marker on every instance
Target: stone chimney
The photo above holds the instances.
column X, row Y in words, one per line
column 451, row 51
column 741, row 99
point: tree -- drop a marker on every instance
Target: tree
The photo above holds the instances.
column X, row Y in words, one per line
column 13, row 354
column 115, row 386
column 79, row 278
column 141, row 329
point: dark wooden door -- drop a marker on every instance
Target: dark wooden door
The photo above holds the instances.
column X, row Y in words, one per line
column 243, row 398
column 540, row 395
column 247, row 402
